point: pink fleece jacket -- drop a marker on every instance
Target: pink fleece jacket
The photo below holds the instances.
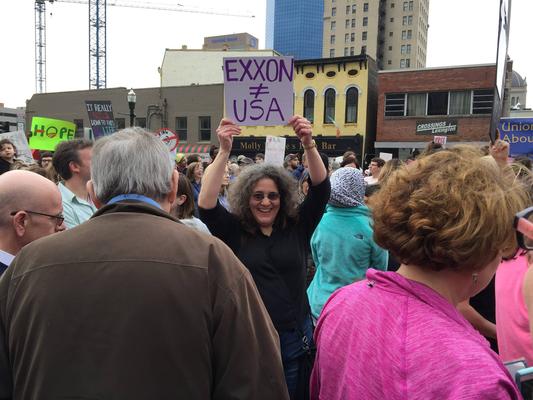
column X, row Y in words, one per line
column 388, row 337
column 512, row 319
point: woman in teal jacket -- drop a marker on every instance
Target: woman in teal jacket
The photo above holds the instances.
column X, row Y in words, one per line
column 342, row 245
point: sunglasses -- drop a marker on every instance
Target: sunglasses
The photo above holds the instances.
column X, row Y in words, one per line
column 523, row 223
column 59, row 218
column 259, row 196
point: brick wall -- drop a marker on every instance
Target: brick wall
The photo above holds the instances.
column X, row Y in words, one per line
column 470, row 128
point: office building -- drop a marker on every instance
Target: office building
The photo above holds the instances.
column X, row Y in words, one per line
column 417, row 105
column 392, row 32
column 294, row 27
column 237, row 41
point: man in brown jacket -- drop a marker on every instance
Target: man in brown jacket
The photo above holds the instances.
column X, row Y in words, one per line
column 132, row 304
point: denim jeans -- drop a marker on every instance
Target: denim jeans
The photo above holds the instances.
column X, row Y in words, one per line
column 292, row 348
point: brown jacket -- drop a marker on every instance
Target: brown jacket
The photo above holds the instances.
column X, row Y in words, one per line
column 134, row 305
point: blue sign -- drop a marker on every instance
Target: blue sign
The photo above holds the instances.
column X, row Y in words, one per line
column 518, row 132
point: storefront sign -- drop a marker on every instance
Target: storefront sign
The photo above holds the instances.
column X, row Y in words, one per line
column 331, row 146
column 258, row 90
column 518, row 132
column 447, row 127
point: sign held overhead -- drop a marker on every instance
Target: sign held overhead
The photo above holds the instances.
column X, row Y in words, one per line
column 258, row 90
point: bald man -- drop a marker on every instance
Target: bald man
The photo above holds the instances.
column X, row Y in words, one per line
column 30, row 208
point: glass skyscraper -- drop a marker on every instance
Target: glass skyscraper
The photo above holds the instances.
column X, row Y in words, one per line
column 294, row 27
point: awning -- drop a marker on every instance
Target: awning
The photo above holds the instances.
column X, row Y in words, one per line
column 421, row 145
column 193, row 148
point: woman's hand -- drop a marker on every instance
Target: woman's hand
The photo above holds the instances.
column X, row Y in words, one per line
column 302, row 128
column 500, row 152
column 225, row 132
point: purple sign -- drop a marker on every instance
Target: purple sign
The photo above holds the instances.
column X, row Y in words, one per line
column 258, row 90
column 101, row 118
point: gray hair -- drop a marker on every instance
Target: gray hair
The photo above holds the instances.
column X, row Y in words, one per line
column 242, row 188
column 131, row 161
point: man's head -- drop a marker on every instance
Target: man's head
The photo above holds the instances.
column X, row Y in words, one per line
column 72, row 159
column 30, row 208
column 118, row 167
column 375, row 166
column 292, row 161
column 259, row 158
column 46, row 159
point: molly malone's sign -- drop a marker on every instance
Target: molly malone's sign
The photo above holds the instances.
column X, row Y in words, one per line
column 328, row 145
column 447, row 127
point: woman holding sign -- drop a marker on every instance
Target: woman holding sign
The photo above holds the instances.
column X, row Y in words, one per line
column 270, row 234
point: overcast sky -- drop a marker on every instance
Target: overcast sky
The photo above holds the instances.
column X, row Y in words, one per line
column 461, row 32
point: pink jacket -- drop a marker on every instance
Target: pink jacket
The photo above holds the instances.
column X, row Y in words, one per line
column 388, row 337
column 512, row 321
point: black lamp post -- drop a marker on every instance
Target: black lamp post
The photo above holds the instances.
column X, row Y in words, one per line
column 132, row 99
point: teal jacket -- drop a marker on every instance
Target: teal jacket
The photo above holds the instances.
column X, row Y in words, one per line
column 343, row 249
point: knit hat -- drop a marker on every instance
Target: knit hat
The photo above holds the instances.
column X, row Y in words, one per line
column 347, row 188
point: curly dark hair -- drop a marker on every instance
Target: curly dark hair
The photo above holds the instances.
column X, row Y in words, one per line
column 242, row 189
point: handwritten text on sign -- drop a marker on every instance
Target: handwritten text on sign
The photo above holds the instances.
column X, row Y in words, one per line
column 258, row 90
column 46, row 133
column 100, row 117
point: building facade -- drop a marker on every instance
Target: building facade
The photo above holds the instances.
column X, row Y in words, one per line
column 339, row 97
column 183, row 67
column 237, row 41
column 294, row 27
column 393, row 32
column 518, row 92
column 193, row 112
column 414, row 106
column 11, row 119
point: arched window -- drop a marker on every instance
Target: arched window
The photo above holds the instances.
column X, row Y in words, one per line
column 351, row 105
column 309, row 105
column 329, row 106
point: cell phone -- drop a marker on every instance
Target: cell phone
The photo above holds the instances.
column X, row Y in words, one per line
column 524, row 381
column 514, row 365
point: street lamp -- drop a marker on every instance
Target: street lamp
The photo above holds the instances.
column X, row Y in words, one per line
column 132, row 99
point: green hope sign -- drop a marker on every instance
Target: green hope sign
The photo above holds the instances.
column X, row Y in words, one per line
column 46, row 133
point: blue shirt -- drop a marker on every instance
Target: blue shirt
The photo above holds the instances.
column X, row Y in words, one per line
column 75, row 210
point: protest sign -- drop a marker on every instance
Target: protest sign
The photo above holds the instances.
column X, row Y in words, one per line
column 170, row 139
column 385, row 156
column 518, row 132
column 440, row 139
column 258, row 90
column 46, row 133
column 100, row 117
column 18, row 138
column 275, row 150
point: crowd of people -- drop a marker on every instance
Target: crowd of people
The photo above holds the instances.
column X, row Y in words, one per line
column 125, row 275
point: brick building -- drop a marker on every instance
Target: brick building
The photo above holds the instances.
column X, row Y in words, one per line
column 415, row 105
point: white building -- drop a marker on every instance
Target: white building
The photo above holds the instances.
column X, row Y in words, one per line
column 12, row 119
column 184, row 67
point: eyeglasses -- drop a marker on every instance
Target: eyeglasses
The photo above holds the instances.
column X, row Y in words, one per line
column 523, row 223
column 59, row 218
column 259, row 196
